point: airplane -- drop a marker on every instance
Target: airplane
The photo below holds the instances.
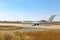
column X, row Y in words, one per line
column 50, row 20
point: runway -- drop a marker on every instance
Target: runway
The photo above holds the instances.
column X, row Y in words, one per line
column 28, row 27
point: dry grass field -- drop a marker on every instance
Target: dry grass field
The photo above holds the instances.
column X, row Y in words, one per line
column 40, row 35
column 12, row 22
column 47, row 34
column 9, row 27
column 31, row 35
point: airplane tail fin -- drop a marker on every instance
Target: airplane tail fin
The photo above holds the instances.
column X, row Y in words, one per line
column 51, row 18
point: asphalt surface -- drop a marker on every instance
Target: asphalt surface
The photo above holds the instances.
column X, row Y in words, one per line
column 29, row 27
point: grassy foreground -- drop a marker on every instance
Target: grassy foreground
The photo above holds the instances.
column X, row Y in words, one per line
column 31, row 35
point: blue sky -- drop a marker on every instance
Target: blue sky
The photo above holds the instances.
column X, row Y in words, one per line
column 18, row 10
